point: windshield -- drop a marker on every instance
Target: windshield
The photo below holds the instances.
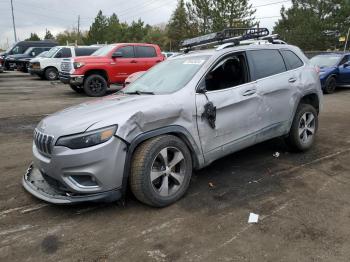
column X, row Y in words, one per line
column 103, row 51
column 168, row 76
column 325, row 60
column 52, row 52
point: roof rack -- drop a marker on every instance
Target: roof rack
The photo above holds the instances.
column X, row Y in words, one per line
column 230, row 35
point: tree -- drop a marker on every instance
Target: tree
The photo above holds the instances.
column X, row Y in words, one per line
column 306, row 21
column 200, row 14
column 98, row 29
column 114, row 29
column 228, row 13
column 48, row 35
column 33, row 37
column 68, row 36
column 179, row 26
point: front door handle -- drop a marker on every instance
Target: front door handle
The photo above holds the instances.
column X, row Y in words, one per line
column 249, row 92
column 292, row 80
column 133, row 61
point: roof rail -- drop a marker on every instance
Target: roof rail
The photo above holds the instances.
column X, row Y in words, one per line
column 229, row 35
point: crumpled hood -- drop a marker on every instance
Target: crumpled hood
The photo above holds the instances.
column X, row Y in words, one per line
column 129, row 112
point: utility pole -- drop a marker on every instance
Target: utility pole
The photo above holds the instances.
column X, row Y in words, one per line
column 78, row 26
column 13, row 22
column 347, row 39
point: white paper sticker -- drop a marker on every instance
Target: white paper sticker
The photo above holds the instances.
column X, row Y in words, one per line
column 253, row 218
column 194, row 62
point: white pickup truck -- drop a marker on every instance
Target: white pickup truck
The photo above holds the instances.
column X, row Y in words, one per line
column 48, row 66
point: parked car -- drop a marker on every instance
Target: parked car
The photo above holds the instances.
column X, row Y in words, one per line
column 132, row 78
column 111, row 64
column 170, row 54
column 182, row 114
column 48, row 67
column 25, row 61
column 334, row 70
column 21, row 47
column 20, row 61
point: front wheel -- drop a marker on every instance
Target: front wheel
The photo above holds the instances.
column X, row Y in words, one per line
column 304, row 128
column 95, row 85
column 51, row 74
column 161, row 171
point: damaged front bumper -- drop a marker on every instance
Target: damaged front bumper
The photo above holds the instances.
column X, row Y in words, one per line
column 50, row 190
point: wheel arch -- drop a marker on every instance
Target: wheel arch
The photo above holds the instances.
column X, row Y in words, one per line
column 100, row 72
column 178, row 131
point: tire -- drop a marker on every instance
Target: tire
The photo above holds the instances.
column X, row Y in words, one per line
column 77, row 89
column 149, row 156
column 331, row 84
column 95, row 85
column 51, row 74
column 301, row 136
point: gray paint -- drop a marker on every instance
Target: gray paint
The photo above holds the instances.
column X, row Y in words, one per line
column 241, row 120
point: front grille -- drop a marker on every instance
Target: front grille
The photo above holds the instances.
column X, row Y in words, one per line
column 43, row 142
column 66, row 66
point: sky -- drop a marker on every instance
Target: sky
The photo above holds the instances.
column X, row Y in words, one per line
column 58, row 15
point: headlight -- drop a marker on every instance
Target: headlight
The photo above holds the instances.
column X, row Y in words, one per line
column 87, row 139
column 78, row 65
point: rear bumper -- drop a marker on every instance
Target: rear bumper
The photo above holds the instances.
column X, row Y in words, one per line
column 34, row 182
column 67, row 78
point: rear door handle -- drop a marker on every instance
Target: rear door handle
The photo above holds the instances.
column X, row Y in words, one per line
column 133, row 61
column 292, row 80
column 249, row 92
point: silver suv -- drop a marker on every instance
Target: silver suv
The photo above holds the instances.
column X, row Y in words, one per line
column 181, row 115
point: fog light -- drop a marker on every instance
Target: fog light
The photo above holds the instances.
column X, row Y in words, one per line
column 84, row 180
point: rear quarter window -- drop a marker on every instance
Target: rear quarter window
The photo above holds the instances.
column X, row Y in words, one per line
column 266, row 63
column 145, row 51
column 291, row 59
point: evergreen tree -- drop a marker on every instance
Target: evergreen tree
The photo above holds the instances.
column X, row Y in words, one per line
column 33, row 37
column 114, row 29
column 98, row 29
column 306, row 21
column 179, row 26
column 48, row 35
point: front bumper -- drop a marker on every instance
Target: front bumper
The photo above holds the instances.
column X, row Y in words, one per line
column 35, row 71
column 80, row 175
column 34, row 182
column 67, row 78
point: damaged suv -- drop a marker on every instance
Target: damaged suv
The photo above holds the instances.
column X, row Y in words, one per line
column 182, row 114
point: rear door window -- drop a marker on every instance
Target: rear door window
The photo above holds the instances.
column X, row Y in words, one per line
column 81, row 51
column 64, row 53
column 266, row 63
column 145, row 51
column 127, row 51
column 291, row 59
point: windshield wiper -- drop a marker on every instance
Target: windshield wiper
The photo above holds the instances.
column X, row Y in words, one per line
column 139, row 93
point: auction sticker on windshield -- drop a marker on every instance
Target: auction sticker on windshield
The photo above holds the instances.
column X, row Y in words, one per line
column 194, row 62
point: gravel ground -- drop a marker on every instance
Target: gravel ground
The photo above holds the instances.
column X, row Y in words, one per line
column 303, row 199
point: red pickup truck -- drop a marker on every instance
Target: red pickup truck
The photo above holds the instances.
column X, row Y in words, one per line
column 111, row 64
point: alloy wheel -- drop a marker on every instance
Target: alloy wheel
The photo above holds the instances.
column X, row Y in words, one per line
column 168, row 171
column 307, row 127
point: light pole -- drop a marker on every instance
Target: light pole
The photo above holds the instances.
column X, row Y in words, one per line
column 347, row 39
column 13, row 22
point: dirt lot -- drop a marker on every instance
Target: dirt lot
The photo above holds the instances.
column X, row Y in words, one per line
column 303, row 199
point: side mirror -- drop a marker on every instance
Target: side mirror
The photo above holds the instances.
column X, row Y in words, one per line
column 58, row 55
column 33, row 53
column 117, row 54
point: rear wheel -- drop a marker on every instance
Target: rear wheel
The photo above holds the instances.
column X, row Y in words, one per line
column 78, row 89
column 51, row 74
column 330, row 86
column 304, row 128
column 95, row 85
column 161, row 171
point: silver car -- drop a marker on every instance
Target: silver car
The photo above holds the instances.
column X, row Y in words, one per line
column 181, row 115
